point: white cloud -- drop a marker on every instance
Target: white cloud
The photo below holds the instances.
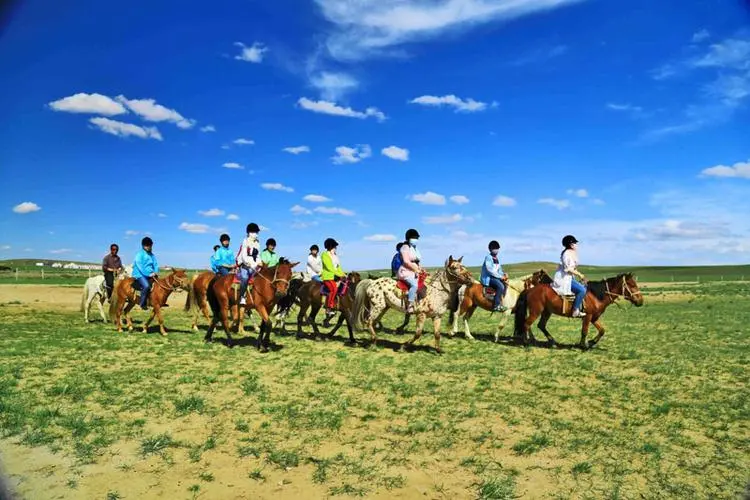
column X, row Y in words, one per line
column 208, row 128
column 334, row 210
column 26, row 207
column 233, row 165
column 540, row 55
column 558, row 204
column 60, row 250
column 333, row 86
column 627, row 108
column 364, row 28
column 276, row 186
column 213, row 212
column 161, row 215
column 5, row 247
column 233, row 217
column 303, row 224
column 243, row 142
column 396, row 153
column 597, row 201
column 89, row 103
column 443, row 219
column 199, row 228
column 580, row 193
column 225, row 146
column 459, row 199
column 739, row 170
column 131, row 232
column 345, row 154
column 295, row 150
column 380, row 237
column 730, row 53
column 331, row 108
column 299, row 210
column 149, row 110
column 503, row 201
column 122, row 129
column 460, row 105
column 701, row 35
column 316, row 198
column 254, row 54
column 428, row 198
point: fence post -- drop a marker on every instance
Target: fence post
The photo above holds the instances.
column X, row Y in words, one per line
column 16, row 274
column 42, row 273
column 89, row 272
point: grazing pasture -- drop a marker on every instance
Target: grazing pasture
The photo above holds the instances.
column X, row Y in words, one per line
column 659, row 409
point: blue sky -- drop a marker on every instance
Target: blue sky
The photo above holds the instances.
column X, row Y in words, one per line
column 623, row 122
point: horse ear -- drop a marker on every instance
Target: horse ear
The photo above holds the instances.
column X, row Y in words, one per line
column 460, row 258
column 450, row 258
column 292, row 264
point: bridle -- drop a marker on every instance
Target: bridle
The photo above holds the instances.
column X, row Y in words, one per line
column 174, row 286
column 275, row 279
column 449, row 273
column 627, row 292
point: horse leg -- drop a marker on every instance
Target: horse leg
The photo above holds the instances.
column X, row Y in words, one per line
column 128, row 319
column 436, row 325
column 265, row 328
column 160, row 319
column 418, row 331
column 209, row 333
column 149, row 320
column 339, row 322
column 225, row 324
column 500, row 326
column 584, row 331
column 314, row 309
column 532, row 314
column 600, row 328
column 467, row 316
column 402, row 329
column 301, row 319
column 100, row 304
column 543, row 327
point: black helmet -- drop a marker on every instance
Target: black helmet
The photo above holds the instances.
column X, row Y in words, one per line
column 270, row 242
column 411, row 233
column 494, row 245
column 569, row 240
column 147, row 242
column 314, row 247
column 252, row 228
column 330, row 243
column 224, row 237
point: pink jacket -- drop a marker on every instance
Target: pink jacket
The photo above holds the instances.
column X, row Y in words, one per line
column 408, row 256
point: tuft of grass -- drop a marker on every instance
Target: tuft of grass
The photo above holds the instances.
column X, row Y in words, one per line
column 156, row 444
column 257, row 475
column 283, row 459
column 190, row 404
column 581, row 468
column 206, row 477
column 531, row 445
column 501, row 487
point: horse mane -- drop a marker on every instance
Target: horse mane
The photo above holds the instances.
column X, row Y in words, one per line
column 284, row 260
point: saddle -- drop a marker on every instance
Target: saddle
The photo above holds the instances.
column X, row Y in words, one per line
column 421, row 288
column 137, row 288
column 343, row 288
column 567, row 304
column 489, row 292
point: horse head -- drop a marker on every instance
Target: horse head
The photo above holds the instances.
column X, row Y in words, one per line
column 630, row 290
column 282, row 275
column 180, row 279
column 456, row 270
column 354, row 277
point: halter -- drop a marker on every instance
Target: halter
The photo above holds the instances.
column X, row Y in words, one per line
column 275, row 279
column 626, row 291
column 448, row 272
column 171, row 288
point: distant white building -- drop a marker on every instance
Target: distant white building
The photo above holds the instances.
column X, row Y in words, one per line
column 57, row 264
column 39, row 264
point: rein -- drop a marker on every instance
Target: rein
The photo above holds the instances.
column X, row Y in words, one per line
column 626, row 291
column 275, row 279
column 170, row 288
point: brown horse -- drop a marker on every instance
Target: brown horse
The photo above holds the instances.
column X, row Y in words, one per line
column 472, row 296
column 270, row 284
column 198, row 302
column 310, row 297
column 543, row 301
column 124, row 296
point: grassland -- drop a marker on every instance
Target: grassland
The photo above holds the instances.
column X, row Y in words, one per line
column 659, row 410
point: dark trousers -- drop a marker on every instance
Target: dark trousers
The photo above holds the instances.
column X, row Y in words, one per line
column 109, row 282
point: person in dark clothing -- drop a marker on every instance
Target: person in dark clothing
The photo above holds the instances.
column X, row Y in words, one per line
column 111, row 265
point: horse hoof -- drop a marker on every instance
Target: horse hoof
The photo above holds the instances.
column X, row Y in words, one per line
column 438, row 350
column 264, row 349
column 591, row 344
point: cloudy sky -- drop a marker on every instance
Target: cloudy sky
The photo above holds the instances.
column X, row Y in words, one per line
column 624, row 123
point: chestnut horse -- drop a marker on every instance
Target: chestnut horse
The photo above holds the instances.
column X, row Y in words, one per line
column 270, row 284
column 310, row 297
column 472, row 296
column 197, row 301
column 543, row 301
column 124, row 296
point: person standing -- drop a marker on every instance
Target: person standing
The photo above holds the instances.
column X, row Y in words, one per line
column 111, row 265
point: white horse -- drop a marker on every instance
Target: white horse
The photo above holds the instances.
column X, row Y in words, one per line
column 95, row 290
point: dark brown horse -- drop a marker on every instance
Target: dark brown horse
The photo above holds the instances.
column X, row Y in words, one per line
column 543, row 301
column 310, row 297
column 198, row 302
column 124, row 296
column 270, row 284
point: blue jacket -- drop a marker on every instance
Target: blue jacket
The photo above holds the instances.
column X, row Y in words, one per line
column 490, row 270
column 144, row 264
column 222, row 257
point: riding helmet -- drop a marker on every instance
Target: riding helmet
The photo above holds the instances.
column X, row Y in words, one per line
column 494, row 245
column 270, row 242
column 224, row 237
column 253, row 228
column 147, row 242
column 569, row 240
column 314, row 247
column 330, row 243
column 412, row 233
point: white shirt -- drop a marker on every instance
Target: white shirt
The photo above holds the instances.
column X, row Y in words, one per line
column 245, row 257
column 314, row 265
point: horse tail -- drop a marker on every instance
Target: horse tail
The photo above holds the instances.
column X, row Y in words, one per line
column 520, row 314
column 84, row 296
column 191, row 298
column 113, row 301
column 213, row 300
column 361, row 302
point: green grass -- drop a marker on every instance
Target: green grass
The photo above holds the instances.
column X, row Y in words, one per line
column 658, row 409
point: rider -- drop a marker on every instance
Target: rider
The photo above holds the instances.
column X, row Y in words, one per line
column 145, row 267
column 494, row 277
column 565, row 281
column 223, row 260
column 269, row 256
column 111, row 264
column 396, row 260
column 330, row 274
column 410, row 268
column 247, row 258
column 314, row 265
